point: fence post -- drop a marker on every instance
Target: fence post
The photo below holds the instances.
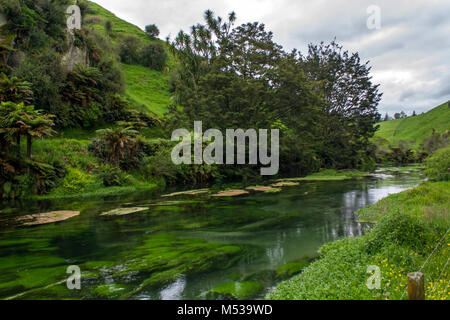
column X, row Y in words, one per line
column 416, row 286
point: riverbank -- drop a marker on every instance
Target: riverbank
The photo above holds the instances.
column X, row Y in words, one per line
column 93, row 188
column 408, row 227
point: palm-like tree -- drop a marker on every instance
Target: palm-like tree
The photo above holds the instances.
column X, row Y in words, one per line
column 17, row 120
column 15, row 90
column 119, row 143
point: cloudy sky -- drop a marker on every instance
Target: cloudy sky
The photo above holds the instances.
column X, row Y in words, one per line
column 409, row 54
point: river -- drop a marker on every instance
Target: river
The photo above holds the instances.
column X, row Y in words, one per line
column 183, row 247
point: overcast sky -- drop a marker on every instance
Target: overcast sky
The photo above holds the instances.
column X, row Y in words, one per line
column 410, row 53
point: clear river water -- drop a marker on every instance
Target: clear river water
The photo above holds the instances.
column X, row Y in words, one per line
column 182, row 247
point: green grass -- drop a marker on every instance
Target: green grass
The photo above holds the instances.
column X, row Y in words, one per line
column 429, row 201
column 416, row 129
column 99, row 15
column 148, row 88
column 331, row 175
column 95, row 191
column 81, row 180
column 409, row 226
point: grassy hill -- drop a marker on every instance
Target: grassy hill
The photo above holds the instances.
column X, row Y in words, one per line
column 416, row 129
column 147, row 89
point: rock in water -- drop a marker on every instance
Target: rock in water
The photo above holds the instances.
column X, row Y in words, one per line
column 45, row 218
column 188, row 193
column 231, row 193
column 123, row 211
column 285, row 184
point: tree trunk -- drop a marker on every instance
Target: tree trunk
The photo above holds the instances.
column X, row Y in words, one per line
column 18, row 145
column 29, row 141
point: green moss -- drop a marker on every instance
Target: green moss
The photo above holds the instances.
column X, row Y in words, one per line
column 267, row 277
column 288, row 270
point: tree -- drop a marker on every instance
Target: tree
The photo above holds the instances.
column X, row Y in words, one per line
column 224, row 74
column 129, row 50
column 414, row 113
column 15, row 90
column 152, row 31
column 46, row 75
column 350, row 111
column 108, row 27
column 386, row 117
column 17, row 120
column 115, row 144
column 154, row 56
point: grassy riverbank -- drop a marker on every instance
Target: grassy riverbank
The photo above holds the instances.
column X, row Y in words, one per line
column 408, row 227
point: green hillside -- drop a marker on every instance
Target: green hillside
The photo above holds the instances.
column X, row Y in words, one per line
column 416, row 129
column 147, row 89
column 97, row 16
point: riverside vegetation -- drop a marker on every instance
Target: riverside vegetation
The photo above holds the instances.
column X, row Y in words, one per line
column 86, row 117
column 114, row 94
column 407, row 228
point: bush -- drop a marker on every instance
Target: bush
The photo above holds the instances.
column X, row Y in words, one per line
column 154, row 56
column 397, row 229
column 129, row 50
column 112, row 177
column 76, row 181
column 47, row 77
column 160, row 166
column 438, row 165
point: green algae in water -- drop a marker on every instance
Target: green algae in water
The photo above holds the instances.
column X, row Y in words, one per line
column 166, row 258
column 291, row 269
column 110, row 291
column 144, row 253
column 235, row 291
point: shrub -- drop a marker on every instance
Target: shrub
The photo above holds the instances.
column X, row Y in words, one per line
column 438, row 165
column 47, row 77
column 160, row 166
column 111, row 176
column 153, row 56
column 76, row 181
column 397, row 229
column 118, row 146
column 129, row 50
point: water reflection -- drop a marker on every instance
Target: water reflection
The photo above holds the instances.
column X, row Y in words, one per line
column 274, row 229
column 174, row 291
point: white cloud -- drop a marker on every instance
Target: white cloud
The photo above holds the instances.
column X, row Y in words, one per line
column 409, row 54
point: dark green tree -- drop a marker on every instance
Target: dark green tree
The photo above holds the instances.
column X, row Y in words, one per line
column 129, row 50
column 15, row 90
column 152, row 31
column 154, row 56
column 350, row 111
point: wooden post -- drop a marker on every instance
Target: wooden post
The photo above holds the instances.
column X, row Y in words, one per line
column 416, row 286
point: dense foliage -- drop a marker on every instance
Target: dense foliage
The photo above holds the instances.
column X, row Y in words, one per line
column 438, row 165
column 228, row 76
column 152, row 55
column 238, row 77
